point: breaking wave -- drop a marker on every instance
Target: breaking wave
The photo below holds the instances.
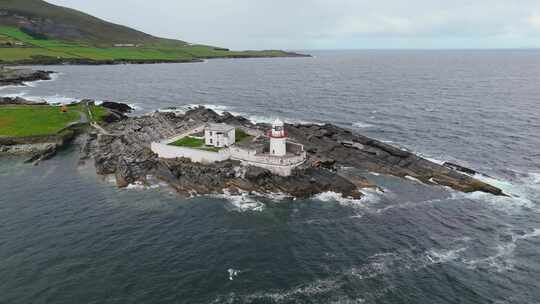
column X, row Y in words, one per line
column 33, row 84
column 362, row 125
column 241, row 202
column 313, row 289
column 52, row 100
column 524, row 193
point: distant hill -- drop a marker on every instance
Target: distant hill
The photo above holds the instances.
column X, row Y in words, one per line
column 55, row 22
column 37, row 32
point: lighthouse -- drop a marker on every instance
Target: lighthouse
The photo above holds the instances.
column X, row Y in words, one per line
column 278, row 139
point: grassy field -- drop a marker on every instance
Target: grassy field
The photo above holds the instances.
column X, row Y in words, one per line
column 190, row 142
column 35, row 48
column 196, row 143
column 242, row 136
column 19, row 121
column 98, row 113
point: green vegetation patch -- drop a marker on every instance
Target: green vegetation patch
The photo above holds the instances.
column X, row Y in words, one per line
column 98, row 113
column 20, row 121
column 17, row 54
column 195, row 143
column 36, row 48
column 190, row 142
column 242, row 136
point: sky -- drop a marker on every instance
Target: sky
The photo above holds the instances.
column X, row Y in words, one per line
column 329, row 24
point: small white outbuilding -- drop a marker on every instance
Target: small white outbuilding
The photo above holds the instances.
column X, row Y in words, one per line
column 219, row 135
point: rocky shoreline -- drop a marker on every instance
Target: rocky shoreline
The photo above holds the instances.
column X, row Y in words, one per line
column 10, row 76
column 43, row 147
column 122, row 149
column 120, row 146
column 43, row 60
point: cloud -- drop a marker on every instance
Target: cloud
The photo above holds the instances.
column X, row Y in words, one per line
column 304, row 24
column 534, row 22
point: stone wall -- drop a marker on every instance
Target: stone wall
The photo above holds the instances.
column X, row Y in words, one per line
column 197, row 129
column 278, row 165
column 196, row 155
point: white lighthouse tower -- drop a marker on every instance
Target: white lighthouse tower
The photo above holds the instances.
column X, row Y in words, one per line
column 278, row 139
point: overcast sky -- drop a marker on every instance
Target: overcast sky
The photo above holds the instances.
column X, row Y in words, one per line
column 329, row 24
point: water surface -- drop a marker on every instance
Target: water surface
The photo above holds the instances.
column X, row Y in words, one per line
column 69, row 236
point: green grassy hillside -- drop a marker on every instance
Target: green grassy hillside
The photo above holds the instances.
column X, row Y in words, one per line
column 34, row 31
column 67, row 24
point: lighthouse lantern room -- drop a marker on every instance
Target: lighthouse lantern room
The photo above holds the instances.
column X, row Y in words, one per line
column 278, row 139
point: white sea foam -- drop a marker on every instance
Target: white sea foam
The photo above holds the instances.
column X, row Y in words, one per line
column 443, row 256
column 232, row 273
column 430, row 158
column 131, row 105
column 503, row 257
column 501, row 261
column 312, row 289
column 337, row 197
column 274, row 196
column 414, row 179
column 33, row 84
column 362, row 125
column 523, row 193
column 15, row 95
column 219, row 109
column 410, row 204
column 242, row 202
column 405, row 260
column 11, row 87
column 142, row 186
column 54, row 99
column 371, row 196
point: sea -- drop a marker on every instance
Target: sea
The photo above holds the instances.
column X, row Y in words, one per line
column 68, row 235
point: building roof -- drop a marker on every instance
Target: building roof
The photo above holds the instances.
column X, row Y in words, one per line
column 219, row 127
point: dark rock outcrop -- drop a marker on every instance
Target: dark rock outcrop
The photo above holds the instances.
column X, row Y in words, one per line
column 20, row 76
column 117, row 106
column 20, row 101
column 125, row 152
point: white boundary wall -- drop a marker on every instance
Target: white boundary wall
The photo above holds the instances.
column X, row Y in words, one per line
column 184, row 134
column 277, row 165
column 196, row 155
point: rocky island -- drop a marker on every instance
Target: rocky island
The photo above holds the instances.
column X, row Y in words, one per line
column 122, row 148
column 9, row 76
column 120, row 145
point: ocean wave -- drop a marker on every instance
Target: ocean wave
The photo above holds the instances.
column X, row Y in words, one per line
column 362, row 125
column 232, row 273
column 337, row 197
column 524, row 193
column 53, row 100
column 219, row 109
column 359, row 206
column 410, row 204
column 313, row 289
column 503, row 257
column 11, row 87
column 33, row 84
column 134, row 106
column 241, row 202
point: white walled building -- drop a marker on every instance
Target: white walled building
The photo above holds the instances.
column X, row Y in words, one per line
column 219, row 135
column 275, row 152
